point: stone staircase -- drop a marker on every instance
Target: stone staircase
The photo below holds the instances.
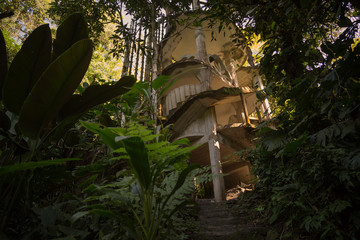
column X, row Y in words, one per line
column 217, row 221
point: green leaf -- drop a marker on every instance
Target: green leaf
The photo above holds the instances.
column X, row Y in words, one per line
column 72, row 30
column 180, row 181
column 160, row 81
column 33, row 165
column 78, row 215
column 181, row 141
column 26, row 68
column 54, row 88
column 274, row 141
column 88, row 181
column 339, row 206
column 134, row 94
column 3, row 62
column 292, row 147
column 95, row 95
column 106, row 134
column 139, row 160
column 165, row 87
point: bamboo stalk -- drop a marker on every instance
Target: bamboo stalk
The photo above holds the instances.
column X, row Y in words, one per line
column 133, row 32
column 143, row 58
column 137, row 54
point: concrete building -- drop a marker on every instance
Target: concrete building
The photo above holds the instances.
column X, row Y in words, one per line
column 213, row 100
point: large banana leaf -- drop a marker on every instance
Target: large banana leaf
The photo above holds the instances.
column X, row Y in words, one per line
column 26, row 68
column 107, row 135
column 73, row 29
column 3, row 62
column 139, row 160
column 54, row 88
column 95, row 95
column 132, row 97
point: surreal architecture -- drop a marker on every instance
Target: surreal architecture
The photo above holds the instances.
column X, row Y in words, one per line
column 211, row 97
column 213, row 101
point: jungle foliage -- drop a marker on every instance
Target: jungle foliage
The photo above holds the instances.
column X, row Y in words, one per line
column 67, row 182
column 37, row 100
column 145, row 199
column 309, row 164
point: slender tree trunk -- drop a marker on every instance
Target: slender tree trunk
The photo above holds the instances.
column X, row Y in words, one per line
column 154, row 61
column 258, row 81
column 143, row 56
column 137, row 53
column 133, row 42
column 125, row 68
column 126, row 60
column 148, row 58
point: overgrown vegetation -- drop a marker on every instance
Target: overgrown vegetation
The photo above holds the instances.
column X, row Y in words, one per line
column 145, row 199
column 309, row 166
column 130, row 188
column 38, row 106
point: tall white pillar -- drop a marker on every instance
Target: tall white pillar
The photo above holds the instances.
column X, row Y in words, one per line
column 215, row 158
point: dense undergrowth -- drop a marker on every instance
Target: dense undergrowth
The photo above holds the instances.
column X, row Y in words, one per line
column 307, row 157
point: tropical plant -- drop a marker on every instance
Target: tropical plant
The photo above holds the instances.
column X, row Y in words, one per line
column 143, row 97
column 144, row 200
column 308, row 166
column 38, row 101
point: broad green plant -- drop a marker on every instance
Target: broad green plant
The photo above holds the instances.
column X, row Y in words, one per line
column 37, row 100
column 144, row 200
column 309, row 166
column 142, row 99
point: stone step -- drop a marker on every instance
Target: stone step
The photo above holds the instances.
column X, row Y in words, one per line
column 215, row 214
column 221, row 221
column 218, row 221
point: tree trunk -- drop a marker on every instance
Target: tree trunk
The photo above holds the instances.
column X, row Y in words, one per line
column 258, row 81
column 126, row 60
column 154, row 63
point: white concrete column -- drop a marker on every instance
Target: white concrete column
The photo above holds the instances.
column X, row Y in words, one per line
column 201, row 52
column 213, row 143
column 215, row 159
